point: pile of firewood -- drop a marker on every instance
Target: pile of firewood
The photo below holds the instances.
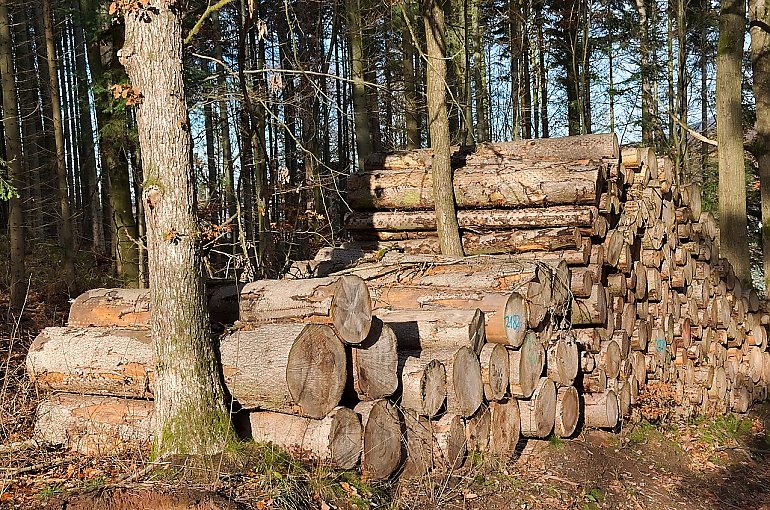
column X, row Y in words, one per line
column 591, row 274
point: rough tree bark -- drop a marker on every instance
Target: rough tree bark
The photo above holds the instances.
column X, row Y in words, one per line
column 66, row 233
column 760, row 63
column 438, row 121
column 190, row 397
column 734, row 242
column 13, row 155
column 362, row 127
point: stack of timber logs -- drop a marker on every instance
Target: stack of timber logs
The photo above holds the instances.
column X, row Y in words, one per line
column 592, row 276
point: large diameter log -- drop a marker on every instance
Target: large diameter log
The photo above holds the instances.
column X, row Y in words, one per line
column 538, row 413
column 131, row 307
column 334, row 439
column 435, row 329
column 423, row 383
column 102, row 361
column 601, row 409
column 567, row 411
column 381, row 454
column 557, row 216
column 375, row 363
column 495, row 371
column 505, row 427
column 291, row 368
column 343, row 302
column 489, row 243
column 495, row 305
column 515, row 183
column 562, row 361
column 526, row 366
column 94, row 425
column 593, row 146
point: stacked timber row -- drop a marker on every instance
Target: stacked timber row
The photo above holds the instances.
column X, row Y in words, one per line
column 588, row 283
column 650, row 300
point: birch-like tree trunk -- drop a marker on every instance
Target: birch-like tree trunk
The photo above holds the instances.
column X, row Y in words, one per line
column 190, row 397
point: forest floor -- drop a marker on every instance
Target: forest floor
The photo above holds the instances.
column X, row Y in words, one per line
column 721, row 463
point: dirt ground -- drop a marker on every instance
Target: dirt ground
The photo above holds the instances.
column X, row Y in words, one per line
column 720, row 463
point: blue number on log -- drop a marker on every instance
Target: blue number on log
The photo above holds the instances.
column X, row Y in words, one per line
column 513, row 321
column 660, row 344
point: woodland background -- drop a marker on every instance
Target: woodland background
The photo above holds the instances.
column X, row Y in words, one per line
column 273, row 91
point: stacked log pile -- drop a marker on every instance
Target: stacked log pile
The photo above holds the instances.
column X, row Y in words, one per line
column 593, row 276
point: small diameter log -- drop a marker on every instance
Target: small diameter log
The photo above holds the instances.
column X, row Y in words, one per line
column 582, row 282
column 92, row 425
column 526, row 366
column 567, row 411
column 421, row 221
column 436, row 329
column 562, row 361
column 343, row 302
column 334, row 439
column 538, row 414
column 609, row 358
column 449, row 441
column 516, row 183
column 423, row 383
column 595, row 382
column 381, row 454
column 477, row 430
column 588, row 338
column 104, row 361
column 418, row 441
column 495, row 371
column 601, row 409
column 505, row 427
column 465, row 390
column 590, row 311
column 375, row 363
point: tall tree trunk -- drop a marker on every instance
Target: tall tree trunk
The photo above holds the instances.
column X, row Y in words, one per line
column 543, row 78
column 189, row 394
column 443, row 191
column 91, row 209
column 733, row 234
column 13, row 156
column 410, row 89
column 645, row 72
column 223, row 119
column 66, row 232
column 760, row 64
column 480, row 75
column 515, row 49
column 363, row 129
column 120, row 224
column 525, row 85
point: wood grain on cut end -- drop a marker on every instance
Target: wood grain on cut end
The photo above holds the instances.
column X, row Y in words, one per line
column 351, row 309
column 506, row 427
column 567, row 411
column 538, row 414
column 495, row 372
column 375, row 363
column 526, row 365
column 316, row 370
column 382, row 439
